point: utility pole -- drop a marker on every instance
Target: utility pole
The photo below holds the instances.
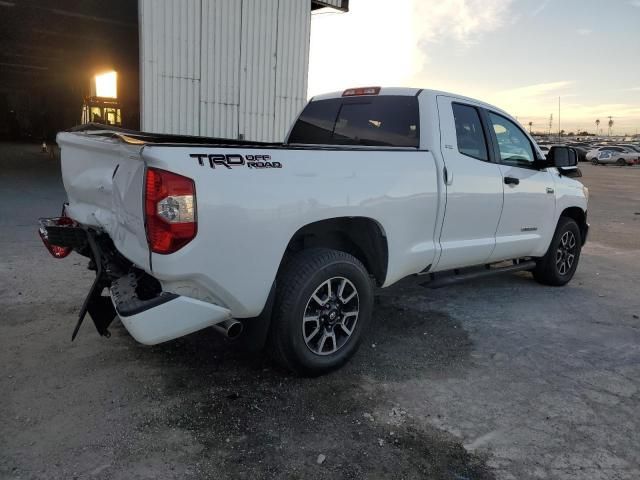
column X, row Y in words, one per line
column 559, row 118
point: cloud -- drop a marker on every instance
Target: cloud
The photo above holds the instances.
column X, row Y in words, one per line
column 634, row 3
column 464, row 21
column 541, row 7
column 634, row 89
column 585, row 31
column 386, row 43
column 537, row 90
column 534, row 100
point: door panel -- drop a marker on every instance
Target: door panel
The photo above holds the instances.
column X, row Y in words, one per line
column 473, row 194
column 529, row 197
column 527, row 213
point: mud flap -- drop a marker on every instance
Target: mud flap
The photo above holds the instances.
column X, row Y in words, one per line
column 256, row 329
column 98, row 306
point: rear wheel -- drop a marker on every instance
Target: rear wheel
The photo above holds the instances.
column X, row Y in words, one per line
column 621, row 162
column 560, row 262
column 323, row 305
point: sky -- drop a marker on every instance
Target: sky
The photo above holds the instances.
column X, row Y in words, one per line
column 520, row 55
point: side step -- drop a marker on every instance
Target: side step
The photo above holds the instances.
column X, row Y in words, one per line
column 444, row 279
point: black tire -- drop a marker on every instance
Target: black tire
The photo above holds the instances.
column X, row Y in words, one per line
column 621, row 162
column 556, row 268
column 594, row 161
column 290, row 342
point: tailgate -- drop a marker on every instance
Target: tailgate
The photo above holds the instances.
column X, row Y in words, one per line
column 104, row 180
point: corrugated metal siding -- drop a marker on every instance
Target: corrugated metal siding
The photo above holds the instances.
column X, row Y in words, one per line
column 258, row 68
column 170, row 65
column 293, row 63
column 220, row 89
column 224, row 68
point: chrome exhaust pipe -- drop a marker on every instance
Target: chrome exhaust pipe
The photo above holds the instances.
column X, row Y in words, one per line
column 229, row 328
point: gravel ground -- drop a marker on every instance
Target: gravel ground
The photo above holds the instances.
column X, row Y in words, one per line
column 501, row 378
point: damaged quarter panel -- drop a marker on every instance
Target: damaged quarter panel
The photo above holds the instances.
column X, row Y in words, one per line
column 104, row 180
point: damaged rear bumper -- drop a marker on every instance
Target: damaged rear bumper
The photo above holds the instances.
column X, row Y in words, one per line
column 162, row 317
column 149, row 314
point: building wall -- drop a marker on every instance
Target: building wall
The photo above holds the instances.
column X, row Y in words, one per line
column 223, row 68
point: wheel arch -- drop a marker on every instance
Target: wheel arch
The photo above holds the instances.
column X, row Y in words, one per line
column 362, row 237
column 580, row 217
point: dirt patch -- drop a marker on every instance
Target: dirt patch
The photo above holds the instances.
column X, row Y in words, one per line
column 237, row 414
column 243, row 416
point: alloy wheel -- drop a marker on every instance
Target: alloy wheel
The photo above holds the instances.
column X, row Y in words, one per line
column 566, row 252
column 330, row 316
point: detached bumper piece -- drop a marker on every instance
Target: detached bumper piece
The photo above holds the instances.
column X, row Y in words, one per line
column 153, row 317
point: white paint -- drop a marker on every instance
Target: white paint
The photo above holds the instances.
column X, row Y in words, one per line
column 246, row 217
column 173, row 319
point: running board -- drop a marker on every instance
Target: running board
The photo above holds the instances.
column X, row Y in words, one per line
column 444, row 279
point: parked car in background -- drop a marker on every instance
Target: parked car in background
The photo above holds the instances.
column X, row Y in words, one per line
column 581, row 151
column 634, row 148
column 595, row 152
column 616, row 156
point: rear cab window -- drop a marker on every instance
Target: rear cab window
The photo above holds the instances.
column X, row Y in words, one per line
column 385, row 121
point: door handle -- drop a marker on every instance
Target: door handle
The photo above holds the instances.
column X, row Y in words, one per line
column 511, row 181
column 448, row 177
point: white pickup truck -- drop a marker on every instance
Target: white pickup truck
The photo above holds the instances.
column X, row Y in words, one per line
column 285, row 243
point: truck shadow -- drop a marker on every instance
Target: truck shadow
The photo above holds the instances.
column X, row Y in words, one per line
column 247, row 418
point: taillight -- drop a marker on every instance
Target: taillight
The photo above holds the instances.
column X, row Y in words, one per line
column 56, row 251
column 354, row 92
column 170, row 210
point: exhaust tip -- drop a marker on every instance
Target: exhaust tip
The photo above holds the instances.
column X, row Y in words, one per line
column 229, row 328
column 234, row 330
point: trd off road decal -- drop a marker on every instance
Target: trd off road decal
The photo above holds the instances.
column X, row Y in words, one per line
column 235, row 160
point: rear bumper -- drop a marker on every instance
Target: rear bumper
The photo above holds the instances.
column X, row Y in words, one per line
column 163, row 317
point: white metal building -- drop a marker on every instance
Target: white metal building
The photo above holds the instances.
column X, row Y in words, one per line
column 225, row 68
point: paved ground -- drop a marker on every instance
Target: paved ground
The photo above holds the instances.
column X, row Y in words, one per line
column 501, row 378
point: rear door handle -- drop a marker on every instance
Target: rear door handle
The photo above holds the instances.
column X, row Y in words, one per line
column 448, row 177
column 511, row 181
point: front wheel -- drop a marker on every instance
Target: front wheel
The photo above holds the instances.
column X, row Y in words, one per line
column 560, row 262
column 594, row 161
column 323, row 305
column 621, row 162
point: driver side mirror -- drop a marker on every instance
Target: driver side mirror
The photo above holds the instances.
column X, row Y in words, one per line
column 565, row 159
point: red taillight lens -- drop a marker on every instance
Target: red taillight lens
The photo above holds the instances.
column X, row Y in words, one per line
column 55, row 250
column 354, row 92
column 170, row 210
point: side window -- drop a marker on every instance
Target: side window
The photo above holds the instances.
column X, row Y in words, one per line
column 515, row 148
column 469, row 133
